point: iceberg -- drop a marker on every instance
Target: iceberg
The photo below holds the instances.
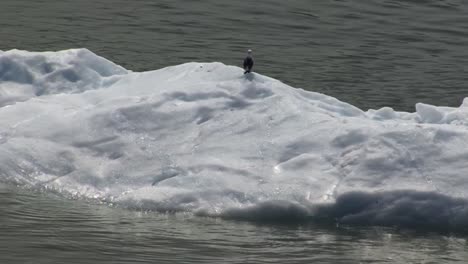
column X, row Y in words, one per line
column 205, row 139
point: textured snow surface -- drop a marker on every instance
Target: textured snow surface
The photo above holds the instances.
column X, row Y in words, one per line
column 205, row 139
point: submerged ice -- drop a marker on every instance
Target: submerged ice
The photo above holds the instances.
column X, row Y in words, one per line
column 205, row 139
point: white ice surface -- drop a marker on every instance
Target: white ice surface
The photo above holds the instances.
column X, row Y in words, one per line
column 206, row 139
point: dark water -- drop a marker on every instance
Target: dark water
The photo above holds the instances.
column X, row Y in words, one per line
column 368, row 53
column 41, row 228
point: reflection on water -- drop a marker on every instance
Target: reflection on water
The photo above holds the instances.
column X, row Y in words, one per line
column 42, row 228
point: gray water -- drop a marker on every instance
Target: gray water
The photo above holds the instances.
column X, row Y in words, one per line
column 368, row 53
column 41, row 228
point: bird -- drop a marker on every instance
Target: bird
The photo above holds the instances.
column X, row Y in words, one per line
column 248, row 62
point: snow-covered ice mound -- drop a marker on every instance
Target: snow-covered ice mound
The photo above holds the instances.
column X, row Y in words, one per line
column 203, row 138
column 27, row 74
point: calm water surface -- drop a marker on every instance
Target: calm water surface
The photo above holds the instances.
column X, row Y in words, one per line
column 368, row 53
column 42, row 228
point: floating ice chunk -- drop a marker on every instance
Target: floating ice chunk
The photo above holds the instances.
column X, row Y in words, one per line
column 384, row 113
column 206, row 139
column 429, row 113
column 465, row 102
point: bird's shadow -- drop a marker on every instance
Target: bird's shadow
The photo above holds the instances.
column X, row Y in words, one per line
column 249, row 76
